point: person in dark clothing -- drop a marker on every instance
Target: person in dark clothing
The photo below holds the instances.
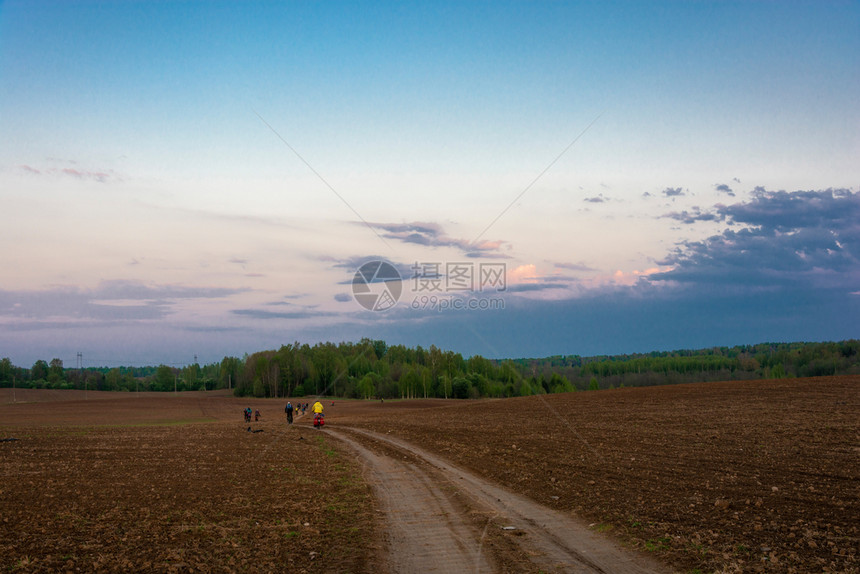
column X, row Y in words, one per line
column 289, row 410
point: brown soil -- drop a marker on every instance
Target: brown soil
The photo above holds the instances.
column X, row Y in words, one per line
column 726, row 477
column 442, row 518
column 174, row 484
column 723, row 477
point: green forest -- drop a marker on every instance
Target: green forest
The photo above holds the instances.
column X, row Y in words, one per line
column 373, row 369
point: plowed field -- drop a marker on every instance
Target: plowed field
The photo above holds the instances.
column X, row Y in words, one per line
column 174, row 484
column 717, row 477
column 759, row 476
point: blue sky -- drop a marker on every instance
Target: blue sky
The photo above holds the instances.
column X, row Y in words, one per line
column 206, row 178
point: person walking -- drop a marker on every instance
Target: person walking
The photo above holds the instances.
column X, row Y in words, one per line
column 289, row 410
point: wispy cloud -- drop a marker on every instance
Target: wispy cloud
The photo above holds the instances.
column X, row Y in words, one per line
column 100, row 176
column 541, row 285
column 574, row 266
column 432, row 235
column 263, row 314
column 673, row 192
column 352, row 264
column 110, row 300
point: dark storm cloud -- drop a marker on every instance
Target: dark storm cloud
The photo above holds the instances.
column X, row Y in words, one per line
column 631, row 320
column 784, row 268
column 785, row 211
column 800, row 239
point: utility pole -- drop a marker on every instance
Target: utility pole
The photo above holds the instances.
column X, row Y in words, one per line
column 81, row 372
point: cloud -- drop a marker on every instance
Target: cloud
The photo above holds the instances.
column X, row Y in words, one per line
column 725, row 189
column 575, row 266
column 263, row 314
column 124, row 289
column 354, row 262
column 790, row 240
column 673, row 192
column 100, row 176
column 213, row 329
column 693, row 216
column 784, row 211
column 526, row 279
column 636, row 319
column 432, row 235
column 117, row 300
column 597, row 199
column 542, row 285
column 342, row 297
column 408, row 272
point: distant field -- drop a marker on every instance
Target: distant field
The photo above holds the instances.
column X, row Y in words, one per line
column 725, row 477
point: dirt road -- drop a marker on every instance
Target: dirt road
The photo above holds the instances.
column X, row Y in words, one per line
column 440, row 518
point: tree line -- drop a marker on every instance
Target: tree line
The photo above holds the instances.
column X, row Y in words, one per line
column 373, row 369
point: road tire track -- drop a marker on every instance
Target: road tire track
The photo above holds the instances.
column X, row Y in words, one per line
column 424, row 529
column 431, row 509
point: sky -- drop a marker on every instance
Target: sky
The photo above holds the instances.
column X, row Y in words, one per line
column 508, row 179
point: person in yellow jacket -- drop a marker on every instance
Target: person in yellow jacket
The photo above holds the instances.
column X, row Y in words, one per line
column 318, row 414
